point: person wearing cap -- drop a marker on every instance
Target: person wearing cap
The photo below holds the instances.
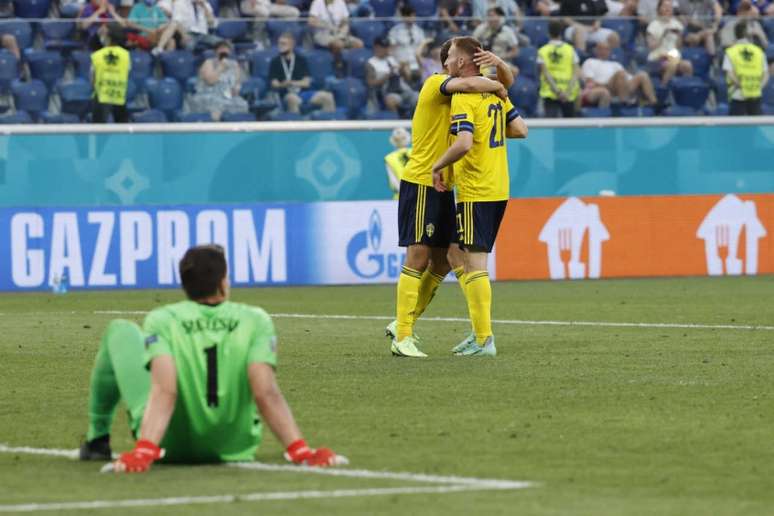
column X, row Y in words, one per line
column 389, row 80
column 110, row 68
column 219, row 84
column 395, row 162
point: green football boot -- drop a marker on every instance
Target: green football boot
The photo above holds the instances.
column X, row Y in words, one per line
column 464, row 344
column 406, row 348
column 472, row 349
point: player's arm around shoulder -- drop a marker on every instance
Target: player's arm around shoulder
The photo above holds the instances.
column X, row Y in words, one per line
column 476, row 84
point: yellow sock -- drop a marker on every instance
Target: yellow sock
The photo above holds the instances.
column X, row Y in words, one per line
column 430, row 283
column 408, row 292
column 479, row 296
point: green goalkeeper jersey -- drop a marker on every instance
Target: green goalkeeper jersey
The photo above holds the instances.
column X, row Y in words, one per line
column 215, row 417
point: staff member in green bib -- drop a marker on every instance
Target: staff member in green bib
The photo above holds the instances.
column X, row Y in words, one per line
column 559, row 73
column 110, row 76
column 746, row 74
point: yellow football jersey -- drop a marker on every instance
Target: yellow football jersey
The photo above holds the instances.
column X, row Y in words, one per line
column 482, row 174
column 429, row 130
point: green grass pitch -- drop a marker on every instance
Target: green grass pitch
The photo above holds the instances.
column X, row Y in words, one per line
column 607, row 420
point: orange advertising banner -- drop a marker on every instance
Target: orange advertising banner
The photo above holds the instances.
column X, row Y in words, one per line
column 610, row 237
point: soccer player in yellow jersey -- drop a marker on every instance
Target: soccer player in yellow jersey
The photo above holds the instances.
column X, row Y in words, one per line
column 481, row 122
column 426, row 218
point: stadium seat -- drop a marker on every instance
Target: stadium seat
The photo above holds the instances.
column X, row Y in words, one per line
column 619, row 55
column 721, row 89
column 57, row 35
column 700, row 60
column 424, row 8
column 20, row 117
column 524, row 95
column 356, row 60
column 215, row 4
column 635, row 111
column 237, row 117
column 81, row 61
column 20, row 29
column 536, row 29
column 768, row 94
column 350, row 93
column 275, row 28
column 286, row 117
column 46, row 65
column 679, row 111
column 625, row 28
column 527, row 62
column 178, row 64
column 662, row 92
column 384, row 8
column 382, row 115
column 367, row 30
column 9, row 71
column 690, row 91
column 768, row 26
column 142, row 67
column 320, row 67
column 76, row 96
column 151, row 116
column 596, row 112
column 30, row 96
column 720, row 110
column 193, row 117
column 252, row 89
column 232, row 29
column 165, row 95
column 770, row 52
column 61, row 118
column 31, row 8
column 260, row 61
column 339, row 114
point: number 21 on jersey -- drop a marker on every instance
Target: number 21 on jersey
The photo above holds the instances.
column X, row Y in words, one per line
column 498, row 126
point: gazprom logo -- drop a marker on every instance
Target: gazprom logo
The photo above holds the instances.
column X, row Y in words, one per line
column 363, row 252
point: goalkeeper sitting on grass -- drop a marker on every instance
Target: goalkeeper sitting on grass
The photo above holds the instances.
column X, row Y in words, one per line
column 194, row 379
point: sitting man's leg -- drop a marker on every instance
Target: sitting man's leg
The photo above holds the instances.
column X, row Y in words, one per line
column 119, row 373
column 325, row 100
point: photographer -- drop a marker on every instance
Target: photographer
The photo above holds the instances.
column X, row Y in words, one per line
column 388, row 80
column 217, row 89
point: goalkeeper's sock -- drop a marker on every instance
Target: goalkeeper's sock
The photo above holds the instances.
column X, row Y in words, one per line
column 408, row 292
column 427, row 288
column 479, row 296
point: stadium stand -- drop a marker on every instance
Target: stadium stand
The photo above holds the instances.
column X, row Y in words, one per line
column 49, row 55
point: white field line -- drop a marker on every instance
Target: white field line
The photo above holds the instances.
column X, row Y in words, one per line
column 444, row 484
column 518, row 322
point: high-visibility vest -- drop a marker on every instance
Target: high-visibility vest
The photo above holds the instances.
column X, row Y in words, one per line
column 748, row 62
column 559, row 61
column 111, row 74
column 397, row 160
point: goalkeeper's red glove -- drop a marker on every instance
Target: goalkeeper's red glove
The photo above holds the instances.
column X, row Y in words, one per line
column 140, row 459
column 299, row 453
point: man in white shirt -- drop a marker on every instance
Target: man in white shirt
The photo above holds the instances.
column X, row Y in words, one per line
column 406, row 37
column 330, row 20
column 267, row 9
column 192, row 19
column 605, row 79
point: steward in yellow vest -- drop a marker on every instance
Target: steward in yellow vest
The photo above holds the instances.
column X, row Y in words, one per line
column 559, row 73
column 396, row 161
column 110, row 76
column 746, row 73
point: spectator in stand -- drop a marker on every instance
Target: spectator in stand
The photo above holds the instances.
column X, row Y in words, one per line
column 763, row 7
column 269, row 9
column 498, row 37
column 664, row 35
column 217, row 89
column 191, row 20
column 559, row 74
column 95, row 15
column 623, row 9
column 71, row 8
column 701, row 19
column 605, row 79
column 148, row 22
column 8, row 42
column 405, row 38
column 509, row 7
column 290, row 80
column 429, row 58
column 110, row 68
column 389, row 80
column 455, row 15
column 583, row 23
column 746, row 74
column 546, row 8
column 748, row 15
column 330, row 21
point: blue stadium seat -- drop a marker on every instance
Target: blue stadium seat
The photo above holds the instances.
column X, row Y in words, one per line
column 76, row 96
column 232, row 29
column 132, row 103
column 260, row 61
column 384, row 8
column 142, row 67
column 252, row 89
column 356, row 60
column 690, row 91
column 619, row 55
column 524, row 95
column 527, row 62
column 424, row 8
column 536, row 30
column 215, row 4
column 700, row 59
column 768, row 26
column 625, row 28
column 9, row 71
column 165, row 95
column 720, row 110
column 636, row 111
column 61, row 118
column 30, row 96
column 81, row 60
column 662, row 92
column 178, row 64
column 193, row 117
column 596, row 112
column 46, row 65
column 275, row 28
column 350, row 93
column 31, row 8
column 768, row 93
column 20, row 117
column 367, row 30
column 721, row 89
column 320, row 66
column 20, row 29
column 237, row 117
column 679, row 111
column 57, row 35
column 382, row 115
column 770, row 52
column 150, row 116
column 339, row 114
column 287, row 117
